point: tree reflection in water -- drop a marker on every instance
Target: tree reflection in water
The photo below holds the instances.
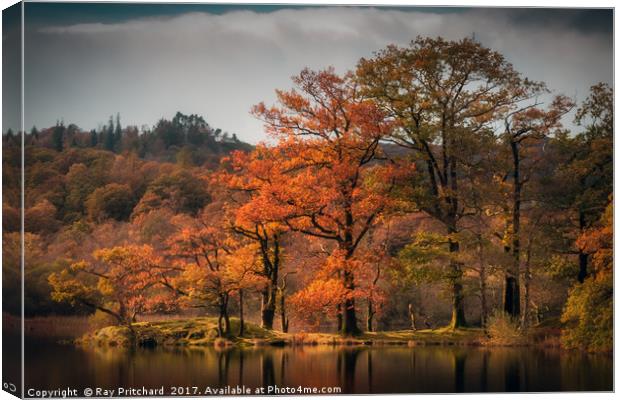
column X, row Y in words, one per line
column 384, row 369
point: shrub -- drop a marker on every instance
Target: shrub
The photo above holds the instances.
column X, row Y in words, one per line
column 589, row 316
column 504, row 331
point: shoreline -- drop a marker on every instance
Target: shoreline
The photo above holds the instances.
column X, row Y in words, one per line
column 202, row 332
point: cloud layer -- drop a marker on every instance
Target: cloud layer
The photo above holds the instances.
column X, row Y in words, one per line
column 220, row 65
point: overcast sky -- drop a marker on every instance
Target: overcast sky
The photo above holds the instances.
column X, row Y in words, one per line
column 85, row 62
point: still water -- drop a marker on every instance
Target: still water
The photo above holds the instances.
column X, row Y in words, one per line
column 354, row 370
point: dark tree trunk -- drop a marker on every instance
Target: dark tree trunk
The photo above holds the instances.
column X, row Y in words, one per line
column 458, row 308
column 349, row 320
column 223, row 320
column 268, row 307
column 583, row 267
column 511, row 296
column 512, row 302
column 484, row 311
column 370, row 315
column 226, row 320
column 271, row 270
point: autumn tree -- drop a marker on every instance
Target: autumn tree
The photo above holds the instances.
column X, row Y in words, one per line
column 442, row 96
column 242, row 273
column 110, row 201
column 334, row 185
column 213, row 266
column 181, row 191
column 525, row 130
column 589, row 310
column 123, row 281
column 246, row 176
column 582, row 178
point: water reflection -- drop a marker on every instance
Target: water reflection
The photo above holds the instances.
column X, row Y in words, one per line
column 353, row 369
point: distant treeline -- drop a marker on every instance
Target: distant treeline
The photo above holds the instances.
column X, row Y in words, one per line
column 185, row 138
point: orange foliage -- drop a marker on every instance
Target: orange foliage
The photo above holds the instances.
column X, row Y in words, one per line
column 327, row 176
column 212, row 265
column 125, row 281
column 598, row 243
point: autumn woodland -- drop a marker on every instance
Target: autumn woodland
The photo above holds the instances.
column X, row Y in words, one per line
column 432, row 187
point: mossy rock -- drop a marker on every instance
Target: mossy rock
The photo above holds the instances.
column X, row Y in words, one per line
column 113, row 336
column 194, row 332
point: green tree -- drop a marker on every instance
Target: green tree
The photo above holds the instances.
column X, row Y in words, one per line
column 94, row 139
column 118, row 132
column 58, row 134
column 109, row 140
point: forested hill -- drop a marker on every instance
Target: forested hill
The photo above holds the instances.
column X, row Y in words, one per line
column 81, row 184
column 113, row 172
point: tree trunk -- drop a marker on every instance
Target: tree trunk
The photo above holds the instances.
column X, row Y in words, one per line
column 339, row 318
column 349, row 320
column 223, row 320
column 411, row 317
column 525, row 315
column 458, row 308
column 226, row 319
column 484, row 312
column 512, row 295
column 283, row 318
column 268, row 306
column 241, row 320
column 271, row 264
column 370, row 315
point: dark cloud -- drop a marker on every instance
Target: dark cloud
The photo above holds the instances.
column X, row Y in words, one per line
column 221, row 63
column 581, row 20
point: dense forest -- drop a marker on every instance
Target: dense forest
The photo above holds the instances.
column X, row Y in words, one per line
column 432, row 185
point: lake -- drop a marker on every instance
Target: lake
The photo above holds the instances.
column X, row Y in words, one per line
column 386, row 369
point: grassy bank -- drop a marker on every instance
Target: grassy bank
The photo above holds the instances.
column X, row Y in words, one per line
column 203, row 332
column 182, row 332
